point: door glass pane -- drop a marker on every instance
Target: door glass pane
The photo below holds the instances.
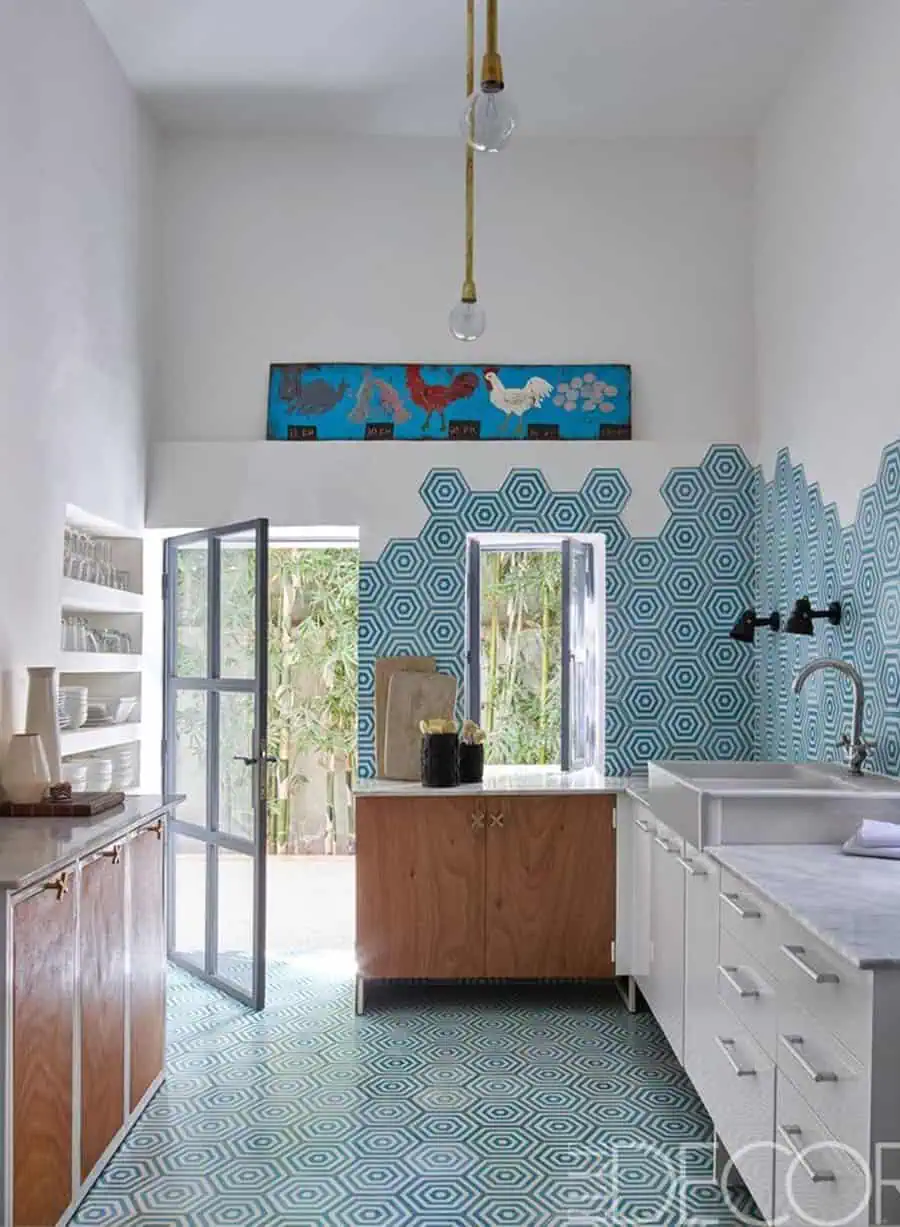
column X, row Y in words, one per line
column 238, row 606
column 191, row 610
column 188, row 898
column 236, row 779
column 191, row 737
column 234, row 940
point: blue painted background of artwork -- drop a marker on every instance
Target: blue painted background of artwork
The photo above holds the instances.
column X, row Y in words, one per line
column 418, row 401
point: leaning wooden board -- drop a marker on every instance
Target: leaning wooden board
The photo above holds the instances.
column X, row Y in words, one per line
column 413, row 697
column 385, row 667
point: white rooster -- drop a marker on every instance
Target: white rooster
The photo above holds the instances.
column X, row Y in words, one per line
column 515, row 402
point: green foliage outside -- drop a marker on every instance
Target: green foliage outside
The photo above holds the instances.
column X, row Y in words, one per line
column 313, row 618
column 521, row 655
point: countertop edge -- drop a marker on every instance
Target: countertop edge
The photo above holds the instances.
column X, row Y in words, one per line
column 131, row 820
column 827, row 939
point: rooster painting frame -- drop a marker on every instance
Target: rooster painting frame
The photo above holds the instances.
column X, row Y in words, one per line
column 328, row 401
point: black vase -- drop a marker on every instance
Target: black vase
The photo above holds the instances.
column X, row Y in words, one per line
column 440, row 760
column 471, row 763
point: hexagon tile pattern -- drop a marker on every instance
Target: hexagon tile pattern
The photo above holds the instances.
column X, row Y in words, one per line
column 806, row 552
column 677, row 686
column 449, row 1106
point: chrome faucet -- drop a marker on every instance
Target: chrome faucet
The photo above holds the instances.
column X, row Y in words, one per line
column 857, row 747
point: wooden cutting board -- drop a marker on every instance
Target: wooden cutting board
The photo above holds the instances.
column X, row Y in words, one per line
column 413, row 697
column 81, row 805
column 385, row 668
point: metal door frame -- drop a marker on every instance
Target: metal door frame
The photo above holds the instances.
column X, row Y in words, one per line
column 214, row 685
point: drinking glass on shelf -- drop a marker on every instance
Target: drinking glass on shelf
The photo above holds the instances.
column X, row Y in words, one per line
column 104, row 564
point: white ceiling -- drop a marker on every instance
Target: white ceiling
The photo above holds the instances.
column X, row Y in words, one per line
column 605, row 68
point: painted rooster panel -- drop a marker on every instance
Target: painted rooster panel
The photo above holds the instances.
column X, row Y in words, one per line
column 355, row 401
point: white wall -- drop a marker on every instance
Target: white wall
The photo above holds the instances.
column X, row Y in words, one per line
column 828, row 302
column 279, row 250
column 75, row 166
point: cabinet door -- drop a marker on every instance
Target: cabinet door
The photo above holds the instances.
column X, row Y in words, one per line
column 626, row 900
column 665, row 983
column 701, row 1009
column 43, row 1025
column 102, row 996
column 644, row 829
column 419, row 887
column 551, row 886
column 147, row 982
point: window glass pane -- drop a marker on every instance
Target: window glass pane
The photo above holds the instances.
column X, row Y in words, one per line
column 236, row 778
column 191, row 610
column 234, row 941
column 189, row 897
column 191, row 738
column 521, row 657
column 238, row 606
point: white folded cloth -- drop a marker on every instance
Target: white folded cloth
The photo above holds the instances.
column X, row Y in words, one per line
column 875, row 838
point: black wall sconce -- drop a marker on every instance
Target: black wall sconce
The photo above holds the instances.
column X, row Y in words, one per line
column 744, row 630
column 803, row 615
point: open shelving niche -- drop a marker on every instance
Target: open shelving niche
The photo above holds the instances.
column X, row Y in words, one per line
column 106, row 675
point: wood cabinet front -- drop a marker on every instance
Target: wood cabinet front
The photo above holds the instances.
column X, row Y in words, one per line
column 102, row 1005
column 420, row 887
column 43, row 1021
column 551, row 886
column 147, row 982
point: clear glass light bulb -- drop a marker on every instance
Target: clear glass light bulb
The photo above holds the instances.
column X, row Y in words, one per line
column 488, row 120
column 467, row 321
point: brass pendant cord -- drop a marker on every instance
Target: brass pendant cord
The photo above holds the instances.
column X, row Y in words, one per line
column 491, row 64
column 468, row 290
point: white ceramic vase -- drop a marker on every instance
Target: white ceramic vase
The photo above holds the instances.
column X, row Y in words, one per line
column 26, row 776
column 42, row 717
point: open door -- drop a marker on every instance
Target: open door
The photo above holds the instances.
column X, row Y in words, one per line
column 214, row 753
column 580, row 694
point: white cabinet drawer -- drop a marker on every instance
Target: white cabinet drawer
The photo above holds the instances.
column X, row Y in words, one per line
column 749, row 992
column 828, row 1077
column 817, row 1179
column 808, row 971
column 736, row 1079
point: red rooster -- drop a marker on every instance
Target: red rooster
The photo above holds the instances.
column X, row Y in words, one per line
column 437, row 397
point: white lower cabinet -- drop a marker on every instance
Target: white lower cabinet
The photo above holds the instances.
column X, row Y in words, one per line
column 664, row 987
column 791, row 1048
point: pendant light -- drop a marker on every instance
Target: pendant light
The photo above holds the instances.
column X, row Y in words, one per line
column 467, row 318
column 490, row 116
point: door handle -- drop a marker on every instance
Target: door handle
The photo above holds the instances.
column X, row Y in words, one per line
column 734, row 902
column 791, row 1134
column 251, row 761
column 796, row 955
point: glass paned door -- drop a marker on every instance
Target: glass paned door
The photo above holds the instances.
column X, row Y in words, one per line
column 216, row 592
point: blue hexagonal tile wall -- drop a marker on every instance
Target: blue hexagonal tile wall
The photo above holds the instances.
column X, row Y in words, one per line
column 671, row 599
column 805, row 551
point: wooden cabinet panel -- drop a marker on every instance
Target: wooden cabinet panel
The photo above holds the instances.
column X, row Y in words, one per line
column 102, row 1005
column 147, row 987
column 43, row 1016
column 551, row 886
column 419, row 887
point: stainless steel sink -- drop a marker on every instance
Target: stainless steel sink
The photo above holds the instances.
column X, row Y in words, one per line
column 756, row 802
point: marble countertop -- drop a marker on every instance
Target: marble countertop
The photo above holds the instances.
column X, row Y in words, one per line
column 851, row 903
column 36, row 848
column 523, row 780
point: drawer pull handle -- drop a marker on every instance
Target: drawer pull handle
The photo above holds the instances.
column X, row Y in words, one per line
column 729, row 975
column 794, row 1043
column 791, row 1134
column 796, row 953
column 496, row 820
column 734, row 902
column 642, row 826
column 113, row 854
column 727, row 1047
column 478, row 820
column 59, row 884
column 694, row 871
column 665, row 845
column 155, row 828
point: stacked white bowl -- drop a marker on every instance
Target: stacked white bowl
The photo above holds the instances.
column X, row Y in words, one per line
column 75, row 773
column 124, row 759
column 99, row 774
column 72, row 706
